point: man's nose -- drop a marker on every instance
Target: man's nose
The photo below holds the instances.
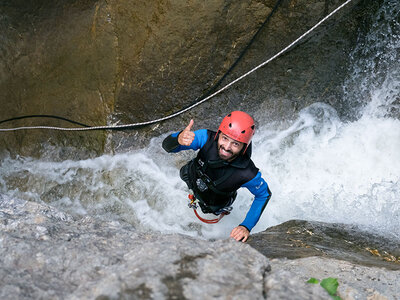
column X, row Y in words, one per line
column 228, row 146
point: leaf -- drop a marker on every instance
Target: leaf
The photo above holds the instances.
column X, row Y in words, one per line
column 330, row 285
column 313, row 280
column 336, row 297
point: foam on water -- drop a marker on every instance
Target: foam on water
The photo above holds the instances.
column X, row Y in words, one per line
column 321, row 169
column 318, row 169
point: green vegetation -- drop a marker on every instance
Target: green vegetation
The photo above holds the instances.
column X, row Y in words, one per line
column 329, row 284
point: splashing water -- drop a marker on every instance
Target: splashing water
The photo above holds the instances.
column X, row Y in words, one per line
column 323, row 169
column 327, row 171
column 319, row 168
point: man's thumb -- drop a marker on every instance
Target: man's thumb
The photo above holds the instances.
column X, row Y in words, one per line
column 189, row 127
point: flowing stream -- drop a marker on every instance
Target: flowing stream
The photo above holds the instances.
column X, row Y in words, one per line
column 318, row 167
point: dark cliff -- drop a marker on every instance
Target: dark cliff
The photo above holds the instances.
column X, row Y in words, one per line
column 108, row 62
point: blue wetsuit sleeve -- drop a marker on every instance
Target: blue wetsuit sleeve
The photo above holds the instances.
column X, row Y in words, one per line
column 259, row 188
column 199, row 141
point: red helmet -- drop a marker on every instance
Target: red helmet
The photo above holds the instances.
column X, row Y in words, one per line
column 239, row 126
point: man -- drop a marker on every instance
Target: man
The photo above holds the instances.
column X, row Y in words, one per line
column 221, row 167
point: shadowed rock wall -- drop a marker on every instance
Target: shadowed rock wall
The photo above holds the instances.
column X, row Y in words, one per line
column 106, row 62
column 55, row 60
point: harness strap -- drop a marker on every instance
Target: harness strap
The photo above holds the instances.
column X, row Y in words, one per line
column 208, row 221
column 212, row 184
column 193, row 205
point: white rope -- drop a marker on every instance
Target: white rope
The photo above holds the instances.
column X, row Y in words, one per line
column 197, row 103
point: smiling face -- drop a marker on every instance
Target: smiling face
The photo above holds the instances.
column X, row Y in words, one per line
column 228, row 148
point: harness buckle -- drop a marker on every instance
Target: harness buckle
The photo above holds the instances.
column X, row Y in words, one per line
column 201, row 185
column 193, row 201
column 225, row 210
column 200, row 162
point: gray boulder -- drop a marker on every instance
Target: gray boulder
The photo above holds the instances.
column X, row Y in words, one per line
column 46, row 254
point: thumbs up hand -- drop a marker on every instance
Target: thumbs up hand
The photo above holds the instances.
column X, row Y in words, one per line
column 186, row 137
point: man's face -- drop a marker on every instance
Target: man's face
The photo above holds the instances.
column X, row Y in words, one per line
column 228, row 149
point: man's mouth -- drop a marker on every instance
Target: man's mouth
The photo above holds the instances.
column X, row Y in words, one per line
column 224, row 152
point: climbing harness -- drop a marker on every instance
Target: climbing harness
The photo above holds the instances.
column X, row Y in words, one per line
column 193, row 204
column 128, row 126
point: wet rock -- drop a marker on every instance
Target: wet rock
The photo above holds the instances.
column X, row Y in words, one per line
column 366, row 265
column 45, row 253
column 282, row 284
column 108, row 62
column 355, row 281
column 299, row 239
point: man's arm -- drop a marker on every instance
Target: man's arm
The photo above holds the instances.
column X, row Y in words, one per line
column 259, row 188
column 170, row 143
column 185, row 139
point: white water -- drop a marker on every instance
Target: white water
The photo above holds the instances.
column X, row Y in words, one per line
column 318, row 167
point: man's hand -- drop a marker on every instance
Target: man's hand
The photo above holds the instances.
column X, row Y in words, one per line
column 240, row 233
column 186, row 137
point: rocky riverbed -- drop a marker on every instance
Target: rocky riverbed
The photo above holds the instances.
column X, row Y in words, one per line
column 46, row 254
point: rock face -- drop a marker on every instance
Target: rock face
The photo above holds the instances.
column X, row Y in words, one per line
column 299, row 239
column 359, row 260
column 105, row 62
column 355, row 281
column 46, row 254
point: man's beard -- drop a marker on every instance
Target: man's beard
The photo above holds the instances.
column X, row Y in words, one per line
column 229, row 157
